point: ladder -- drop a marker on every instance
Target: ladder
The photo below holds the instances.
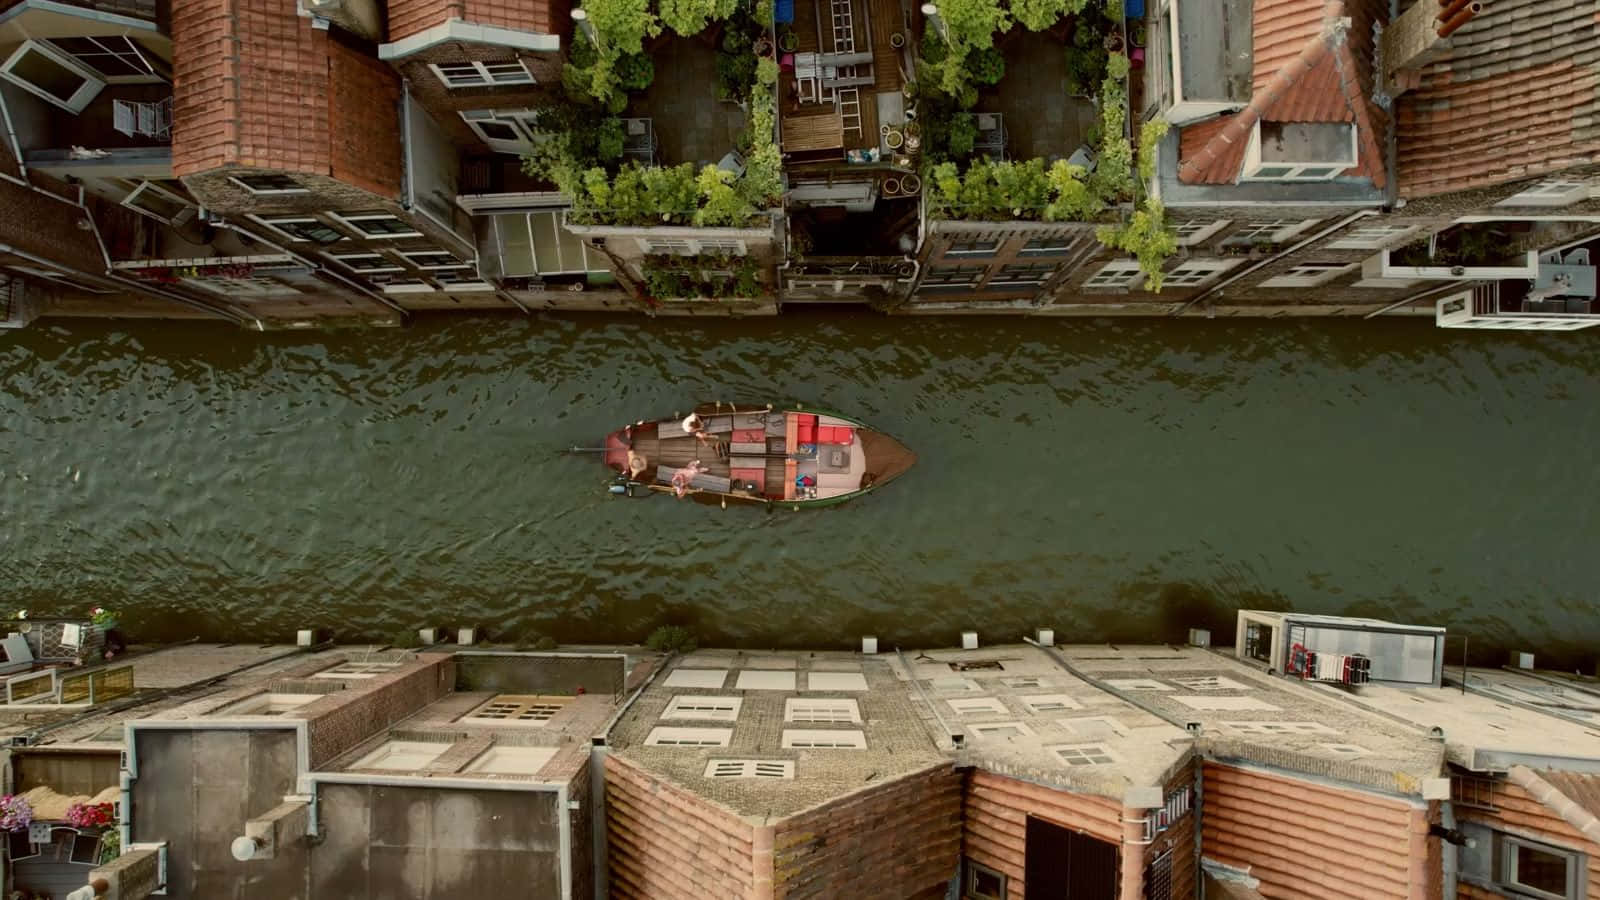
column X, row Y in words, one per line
column 849, row 101
column 844, row 27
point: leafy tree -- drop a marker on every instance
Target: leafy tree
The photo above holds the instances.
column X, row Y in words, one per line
column 1118, row 67
column 1071, row 199
column 635, row 71
column 1022, row 185
column 672, row 192
column 944, row 190
column 1150, row 134
column 1038, row 15
column 723, row 205
column 986, row 66
column 689, row 17
column 970, row 25
column 963, row 134
column 767, row 71
column 1146, row 236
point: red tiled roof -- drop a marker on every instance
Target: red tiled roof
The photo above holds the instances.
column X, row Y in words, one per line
column 1515, row 95
column 1306, row 67
column 256, row 85
column 408, row 17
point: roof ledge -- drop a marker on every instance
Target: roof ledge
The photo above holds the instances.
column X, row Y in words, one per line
column 458, row 30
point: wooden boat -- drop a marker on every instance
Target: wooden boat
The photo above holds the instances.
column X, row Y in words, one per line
column 756, row 454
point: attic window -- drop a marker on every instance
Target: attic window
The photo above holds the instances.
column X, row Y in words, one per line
column 696, row 678
column 715, row 709
column 689, row 737
column 1092, row 728
column 1001, row 730
column 1028, row 682
column 832, row 712
column 977, row 706
column 1084, row 755
column 481, row 74
column 1136, row 684
column 836, row 681
column 1308, row 274
column 378, row 225
column 499, row 760
column 301, row 228
column 269, row 184
column 527, row 710
column 820, row 739
column 1278, row 728
column 402, row 756
column 1043, row 703
column 357, row 670
column 1211, row 683
column 750, row 768
column 267, row 705
column 1299, row 151
column 433, row 259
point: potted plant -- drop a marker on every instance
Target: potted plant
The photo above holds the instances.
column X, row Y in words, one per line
column 90, row 815
column 788, row 41
column 103, row 617
column 897, row 40
column 763, row 47
column 910, row 185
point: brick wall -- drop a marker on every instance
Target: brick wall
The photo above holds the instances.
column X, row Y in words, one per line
column 663, row 843
column 1518, row 812
column 511, row 674
column 582, row 855
column 995, row 822
column 895, row 840
column 340, row 721
column 445, row 104
column 1305, row 838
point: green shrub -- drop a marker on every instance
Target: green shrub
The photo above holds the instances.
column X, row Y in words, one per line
column 405, row 638
column 672, row 639
column 987, row 66
column 1037, row 15
column 636, row 72
column 767, row 71
column 963, row 134
column 1147, row 237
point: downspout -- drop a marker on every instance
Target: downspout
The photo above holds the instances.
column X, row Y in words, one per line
column 1132, row 853
column 353, row 285
column 1359, row 214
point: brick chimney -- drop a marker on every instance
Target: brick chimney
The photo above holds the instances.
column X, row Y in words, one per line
column 1416, row 36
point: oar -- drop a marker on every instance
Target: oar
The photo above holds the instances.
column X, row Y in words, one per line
column 586, row 450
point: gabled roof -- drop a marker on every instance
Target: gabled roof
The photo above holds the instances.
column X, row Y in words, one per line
column 256, row 85
column 1311, row 63
column 1516, row 95
column 409, row 17
column 1572, row 796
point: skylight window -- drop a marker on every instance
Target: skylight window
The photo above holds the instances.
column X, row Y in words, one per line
column 1299, row 151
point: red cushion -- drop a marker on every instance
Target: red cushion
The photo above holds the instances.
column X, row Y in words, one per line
column 845, row 434
column 806, row 433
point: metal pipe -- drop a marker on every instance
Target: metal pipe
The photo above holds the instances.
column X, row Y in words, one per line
column 1459, row 19
column 1449, row 8
column 1359, row 214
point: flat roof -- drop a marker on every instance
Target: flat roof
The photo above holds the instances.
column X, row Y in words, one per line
column 1214, row 46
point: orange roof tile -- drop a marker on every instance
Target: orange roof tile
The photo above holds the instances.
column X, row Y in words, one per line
column 1307, row 66
column 409, row 17
column 1515, row 95
column 256, row 85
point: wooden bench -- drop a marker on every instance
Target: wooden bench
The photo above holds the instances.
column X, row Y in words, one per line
column 702, row 481
column 825, row 132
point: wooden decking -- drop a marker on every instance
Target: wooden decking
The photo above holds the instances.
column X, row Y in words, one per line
column 874, row 22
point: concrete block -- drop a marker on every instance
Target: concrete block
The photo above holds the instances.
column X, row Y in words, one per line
column 1046, row 637
column 1436, row 789
column 305, row 637
column 1522, row 660
column 1199, row 637
column 466, row 637
column 134, row 875
column 869, row 645
column 969, row 640
column 1147, row 797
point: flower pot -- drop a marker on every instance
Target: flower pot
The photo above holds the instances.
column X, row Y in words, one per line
column 788, row 42
column 891, row 187
column 897, row 40
column 912, row 129
column 910, row 185
column 1114, row 42
column 913, row 143
column 894, row 139
column 764, row 48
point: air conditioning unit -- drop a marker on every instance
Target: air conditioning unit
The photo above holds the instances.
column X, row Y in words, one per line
column 1199, row 637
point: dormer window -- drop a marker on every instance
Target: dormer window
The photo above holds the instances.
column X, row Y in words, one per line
column 1299, row 151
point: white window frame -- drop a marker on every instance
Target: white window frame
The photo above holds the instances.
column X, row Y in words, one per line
column 704, row 679
column 703, row 707
column 842, row 682
column 1071, row 726
column 977, row 706
column 765, row 680
column 988, row 730
column 550, row 707
column 1039, row 704
column 969, row 881
column 999, row 277
column 510, row 759
column 518, row 120
column 153, row 188
column 1253, row 163
column 750, row 768
column 1273, row 230
column 352, row 220
column 341, row 257
column 821, row 711
column 952, row 683
column 1553, row 193
column 267, row 703
column 271, row 222
column 1137, row 684
column 664, row 736
column 349, row 669
column 1087, row 755
column 1505, row 849
column 1278, row 728
column 149, row 77
column 1054, row 246
column 1208, row 270
column 1209, row 683
column 93, row 82
column 411, row 257
column 409, row 285
column 685, row 246
column 1198, row 231
column 1023, row 682
column 1118, row 274
column 406, row 750
column 268, row 192
column 485, row 77
column 824, row 739
column 979, row 253
column 1308, row 274
column 1373, row 237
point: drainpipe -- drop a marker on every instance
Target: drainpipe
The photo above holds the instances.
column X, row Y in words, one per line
column 348, row 282
column 1359, row 214
column 1132, row 855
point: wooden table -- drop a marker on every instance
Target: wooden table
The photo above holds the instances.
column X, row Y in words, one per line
column 825, row 132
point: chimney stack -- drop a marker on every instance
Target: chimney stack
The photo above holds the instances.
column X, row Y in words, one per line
column 1414, row 38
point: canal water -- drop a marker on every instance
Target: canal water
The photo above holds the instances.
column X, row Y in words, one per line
column 1116, row 480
